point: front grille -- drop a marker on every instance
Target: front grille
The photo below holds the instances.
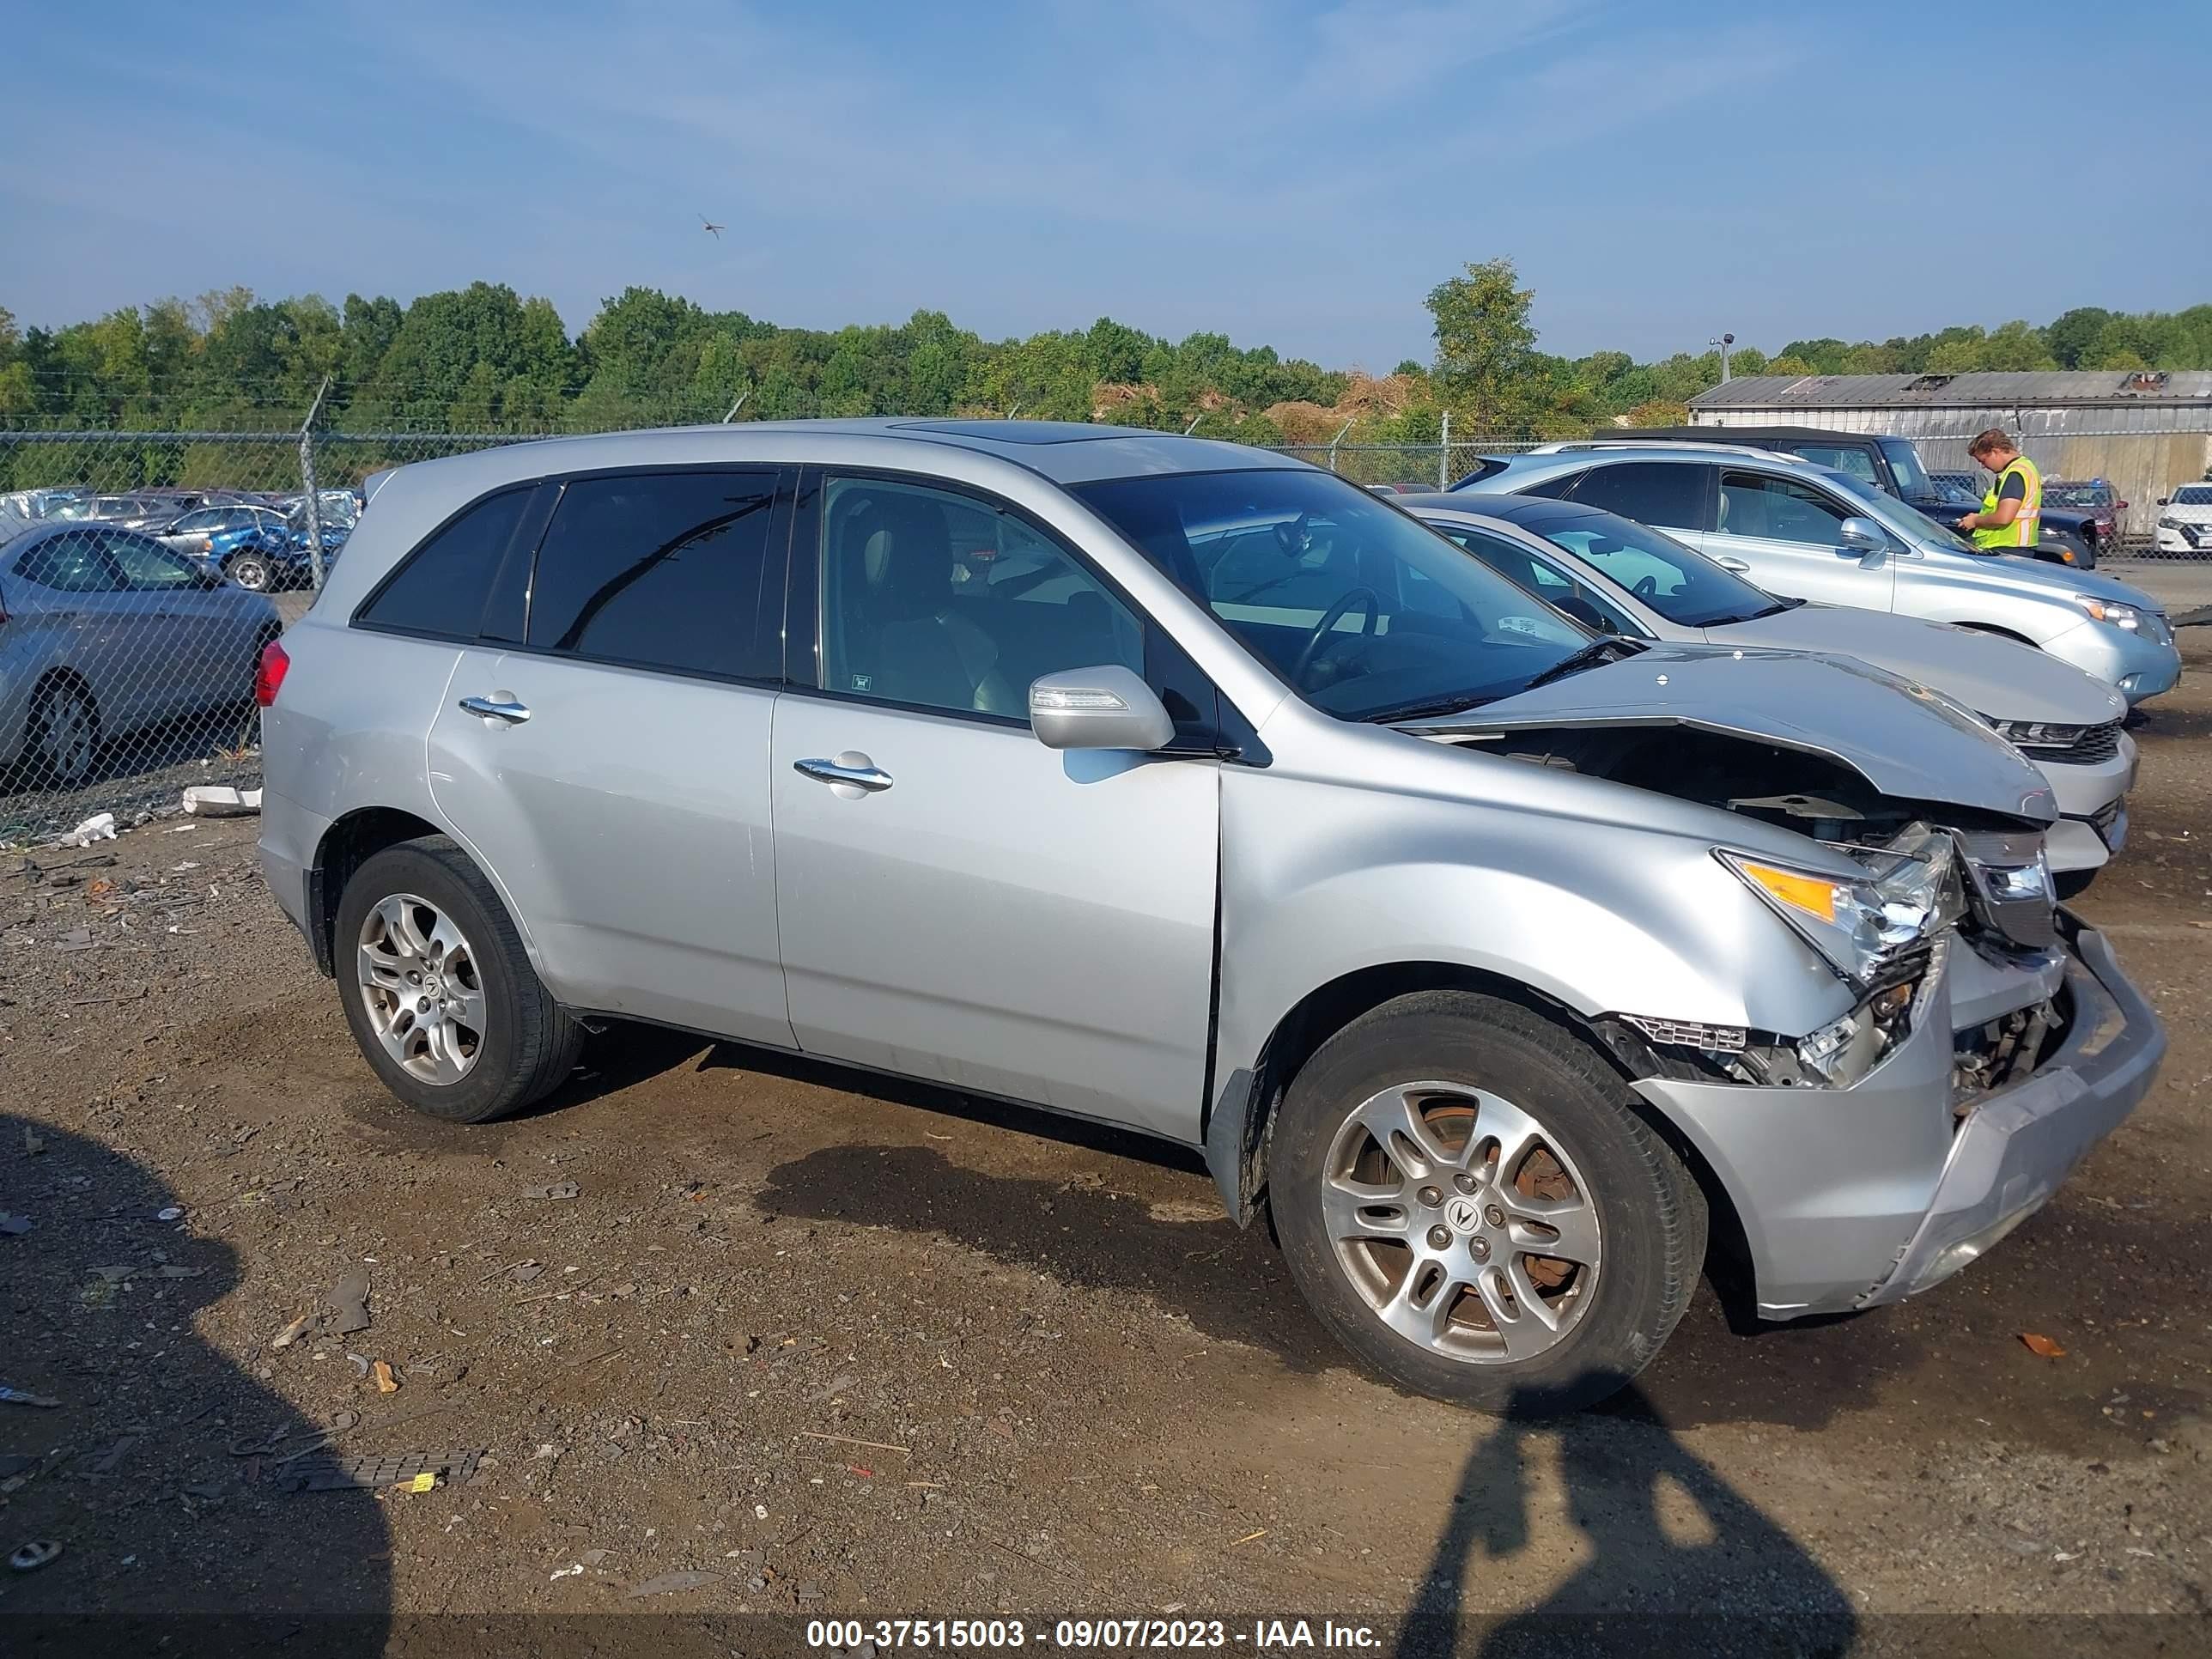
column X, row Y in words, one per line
column 2090, row 746
column 2096, row 744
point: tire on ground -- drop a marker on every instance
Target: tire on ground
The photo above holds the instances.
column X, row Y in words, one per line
column 531, row 1044
column 1650, row 1213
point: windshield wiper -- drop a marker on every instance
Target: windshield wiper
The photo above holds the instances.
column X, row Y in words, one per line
column 1427, row 707
column 1590, row 656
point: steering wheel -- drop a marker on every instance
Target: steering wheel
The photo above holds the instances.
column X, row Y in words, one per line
column 1366, row 599
column 1647, row 587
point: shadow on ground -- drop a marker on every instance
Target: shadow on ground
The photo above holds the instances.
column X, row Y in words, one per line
column 1662, row 1555
column 166, row 1535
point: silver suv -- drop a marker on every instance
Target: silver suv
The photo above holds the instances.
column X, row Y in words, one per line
column 1164, row 783
column 1813, row 532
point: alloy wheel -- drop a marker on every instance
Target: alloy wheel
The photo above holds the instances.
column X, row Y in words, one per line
column 1462, row 1222
column 68, row 733
column 421, row 987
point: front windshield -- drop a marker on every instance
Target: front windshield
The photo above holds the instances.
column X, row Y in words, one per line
column 1361, row 609
column 1684, row 586
column 1910, row 523
column 1905, row 462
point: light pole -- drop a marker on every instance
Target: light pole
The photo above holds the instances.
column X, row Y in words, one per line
column 1724, row 342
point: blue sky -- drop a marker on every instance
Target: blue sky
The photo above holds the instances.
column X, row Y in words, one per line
column 1296, row 173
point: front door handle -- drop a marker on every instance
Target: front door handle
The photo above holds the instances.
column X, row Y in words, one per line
column 1736, row 565
column 850, row 770
column 500, row 705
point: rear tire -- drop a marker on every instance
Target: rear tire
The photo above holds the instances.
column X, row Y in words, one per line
column 1630, row 1220
column 521, row 1045
column 251, row 571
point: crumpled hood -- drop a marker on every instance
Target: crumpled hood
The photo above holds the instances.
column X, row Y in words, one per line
column 2000, row 678
column 1907, row 741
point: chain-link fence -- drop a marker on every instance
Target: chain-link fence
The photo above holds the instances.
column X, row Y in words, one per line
column 140, row 574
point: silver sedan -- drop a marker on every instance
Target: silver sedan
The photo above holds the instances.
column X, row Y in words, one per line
column 1610, row 573
column 104, row 631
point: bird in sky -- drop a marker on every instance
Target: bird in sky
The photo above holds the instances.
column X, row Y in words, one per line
column 711, row 227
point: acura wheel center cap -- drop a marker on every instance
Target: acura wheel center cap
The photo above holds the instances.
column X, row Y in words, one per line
column 1464, row 1216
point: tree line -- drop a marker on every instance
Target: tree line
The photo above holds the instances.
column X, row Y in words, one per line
column 484, row 359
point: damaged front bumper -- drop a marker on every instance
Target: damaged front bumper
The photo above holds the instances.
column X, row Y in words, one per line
column 1852, row 1197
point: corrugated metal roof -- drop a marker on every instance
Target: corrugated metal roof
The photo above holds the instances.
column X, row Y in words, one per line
column 2108, row 388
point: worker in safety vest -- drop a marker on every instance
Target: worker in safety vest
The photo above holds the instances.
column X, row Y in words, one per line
column 2012, row 511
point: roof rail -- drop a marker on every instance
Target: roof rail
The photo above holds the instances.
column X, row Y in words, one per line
column 1567, row 445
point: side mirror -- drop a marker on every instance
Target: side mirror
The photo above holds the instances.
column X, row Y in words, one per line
column 1104, row 707
column 2162, row 500
column 1856, row 537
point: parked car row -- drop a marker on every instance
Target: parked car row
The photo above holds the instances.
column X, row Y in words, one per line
column 1509, row 912
column 261, row 542
column 1817, row 533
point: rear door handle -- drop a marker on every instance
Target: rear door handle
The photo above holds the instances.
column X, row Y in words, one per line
column 497, row 708
column 1736, row 565
column 852, row 770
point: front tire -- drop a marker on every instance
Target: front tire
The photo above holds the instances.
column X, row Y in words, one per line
column 64, row 732
column 441, row 995
column 251, row 571
column 1471, row 1206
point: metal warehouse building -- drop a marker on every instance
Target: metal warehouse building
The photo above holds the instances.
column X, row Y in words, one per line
column 2145, row 432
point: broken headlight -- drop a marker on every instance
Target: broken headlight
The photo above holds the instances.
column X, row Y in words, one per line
column 1910, row 892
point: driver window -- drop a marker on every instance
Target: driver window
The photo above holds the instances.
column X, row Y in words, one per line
column 938, row 600
column 1777, row 509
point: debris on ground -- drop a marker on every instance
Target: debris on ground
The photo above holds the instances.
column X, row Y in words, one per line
column 33, row 1142
column 173, row 1212
column 33, row 1555
column 348, row 1303
column 2038, row 1343
column 385, row 1382
column 320, row 1471
column 220, row 800
column 17, row 1397
column 668, row 1582
column 558, row 1189
column 293, row 1332
column 101, row 826
column 574, row 1570
column 14, row 1226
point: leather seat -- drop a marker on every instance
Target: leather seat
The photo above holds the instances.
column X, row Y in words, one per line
column 915, row 644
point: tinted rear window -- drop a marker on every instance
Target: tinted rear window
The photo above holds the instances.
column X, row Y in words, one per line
column 442, row 586
column 1671, row 494
column 658, row 570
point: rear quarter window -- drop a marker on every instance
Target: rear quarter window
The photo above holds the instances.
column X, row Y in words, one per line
column 441, row 588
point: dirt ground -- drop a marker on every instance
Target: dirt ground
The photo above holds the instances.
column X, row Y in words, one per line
column 807, row 1348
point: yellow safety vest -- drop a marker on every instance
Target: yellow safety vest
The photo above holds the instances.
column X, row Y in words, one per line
column 2025, row 530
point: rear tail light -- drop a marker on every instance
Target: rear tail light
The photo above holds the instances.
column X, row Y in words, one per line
column 269, row 674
